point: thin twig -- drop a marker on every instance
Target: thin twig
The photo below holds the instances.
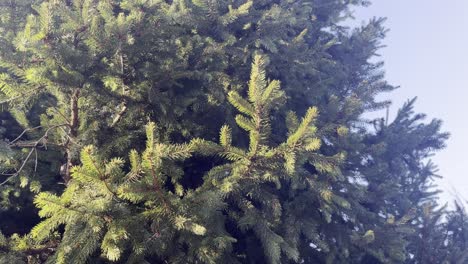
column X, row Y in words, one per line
column 35, row 163
column 33, row 149
column 22, row 134
column 20, row 169
column 119, row 114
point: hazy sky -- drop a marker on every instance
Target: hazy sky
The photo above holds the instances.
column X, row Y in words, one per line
column 427, row 55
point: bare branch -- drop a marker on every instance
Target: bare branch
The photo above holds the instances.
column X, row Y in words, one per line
column 74, row 124
column 35, row 163
column 22, row 134
column 33, row 149
column 20, row 169
column 119, row 115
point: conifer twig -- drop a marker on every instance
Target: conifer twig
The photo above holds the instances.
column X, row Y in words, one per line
column 119, row 114
column 20, row 169
column 22, row 134
column 33, row 149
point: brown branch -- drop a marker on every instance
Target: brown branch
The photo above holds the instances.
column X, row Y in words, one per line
column 74, row 123
column 45, row 249
column 31, row 144
column 51, row 247
column 34, row 147
column 22, row 134
column 20, row 169
column 119, row 114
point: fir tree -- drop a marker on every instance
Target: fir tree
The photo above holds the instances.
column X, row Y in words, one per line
column 209, row 131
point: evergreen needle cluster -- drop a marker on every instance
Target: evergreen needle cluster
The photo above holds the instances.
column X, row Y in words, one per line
column 210, row 131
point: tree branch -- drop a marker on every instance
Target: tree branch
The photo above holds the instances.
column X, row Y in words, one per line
column 35, row 145
column 74, row 124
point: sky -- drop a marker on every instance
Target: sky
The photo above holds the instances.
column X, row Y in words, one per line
column 426, row 54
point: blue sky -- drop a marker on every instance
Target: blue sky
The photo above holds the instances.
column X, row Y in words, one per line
column 427, row 55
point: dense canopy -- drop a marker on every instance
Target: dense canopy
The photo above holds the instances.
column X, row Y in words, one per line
column 210, row 131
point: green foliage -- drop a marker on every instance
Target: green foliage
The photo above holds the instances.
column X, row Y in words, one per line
column 240, row 168
column 112, row 212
